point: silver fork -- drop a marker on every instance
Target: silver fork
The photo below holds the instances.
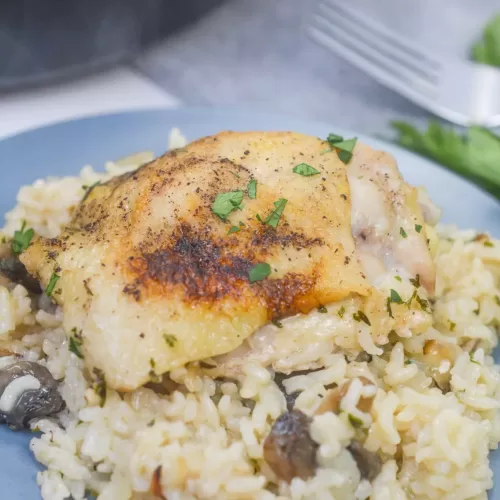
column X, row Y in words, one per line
column 462, row 92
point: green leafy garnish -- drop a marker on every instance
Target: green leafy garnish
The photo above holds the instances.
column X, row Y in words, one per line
column 259, row 272
column 22, row 239
column 225, row 203
column 100, row 386
column 424, row 304
column 497, row 300
column 274, row 217
column 75, row 343
column 252, row 189
column 343, row 147
column 332, row 139
column 471, row 357
column 487, row 50
column 277, row 323
column 341, row 312
column 488, row 243
column 398, row 278
column 418, row 228
column 395, row 297
column 389, row 307
column 305, row 170
column 402, row 232
column 52, row 283
column 259, row 218
column 452, row 326
column 355, row 421
column 322, row 309
column 171, row 340
column 473, row 154
column 235, row 174
column 233, row 229
column 415, row 282
column 361, row 316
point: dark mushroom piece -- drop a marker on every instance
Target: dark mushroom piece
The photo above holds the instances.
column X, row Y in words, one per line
column 289, row 449
column 13, row 269
column 27, row 391
column 369, row 463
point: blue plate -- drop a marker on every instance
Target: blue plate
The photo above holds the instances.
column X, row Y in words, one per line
column 62, row 149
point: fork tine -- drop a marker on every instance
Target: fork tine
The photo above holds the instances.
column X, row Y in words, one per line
column 322, row 34
column 329, row 31
column 377, row 43
column 391, row 40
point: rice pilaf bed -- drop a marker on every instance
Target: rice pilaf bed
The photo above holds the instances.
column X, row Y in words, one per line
column 204, row 438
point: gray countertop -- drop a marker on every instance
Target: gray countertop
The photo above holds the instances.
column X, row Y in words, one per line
column 253, row 53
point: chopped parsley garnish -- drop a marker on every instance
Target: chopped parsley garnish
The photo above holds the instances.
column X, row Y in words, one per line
column 152, row 373
column 497, row 300
column 398, row 278
column 408, row 362
column 452, row 326
column 389, row 308
column 345, row 149
column 75, row 343
column 171, row 340
column 402, row 232
column 305, row 170
column 252, row 189
column 275, row 216
column 476, row 311
column 236, row 175
column 277, row 323
column 415, row 282
column 334, row 138
column 472, row 360
column 361, row 316
column 225, row 203
column 259, row 272
column 322, row 309
column 259, row 218
column 418, row 228
column 233, row 229
column 355, row 421
column 22, row 239
column 395, row 297
column 100, row 386
column 488, row 243
column 89, row 188
column 424, row 304
column 52, row 283
column 341, row 312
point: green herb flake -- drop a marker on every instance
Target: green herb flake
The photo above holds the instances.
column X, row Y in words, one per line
column 100, row 386
column 235, row 174
column 418, row 228
column 22, row 239
column 341, row 312
column 408, row 362
column 154, row 377
column 322, row 309
column 398, row 278
column 259, row 272
column 52, row 283
column 452, row 326
column 277, row 324
column 225, row 203
column 252, row 189
column 395, row 297
column 471, row 357
column 74, row 345
column 355, row 421
column 389, row 308
column 496, row 298
column 334, row 139
column 259, row 218
column 171, row 340
column 402, row 232
column 233, row 229
column 415, row 281
column 275, row 216
column 305, row 170
column 410, row 300
column 361, row 316
column 476, row 311
column 345, row 149
column 488, row 244
column 424, row 304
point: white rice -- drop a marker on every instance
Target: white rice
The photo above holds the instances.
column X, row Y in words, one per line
column 208, row 439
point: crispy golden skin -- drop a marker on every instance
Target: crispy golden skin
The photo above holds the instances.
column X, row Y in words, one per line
column 151, row 277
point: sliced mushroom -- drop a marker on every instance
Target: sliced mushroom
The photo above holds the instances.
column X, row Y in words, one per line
column 289, row 449
column 27, row 390
column 333, row 397
column 369, row 463
column 437, row 360
column 13, row 269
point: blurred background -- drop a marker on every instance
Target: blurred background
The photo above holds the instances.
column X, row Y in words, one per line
column 62, row 59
